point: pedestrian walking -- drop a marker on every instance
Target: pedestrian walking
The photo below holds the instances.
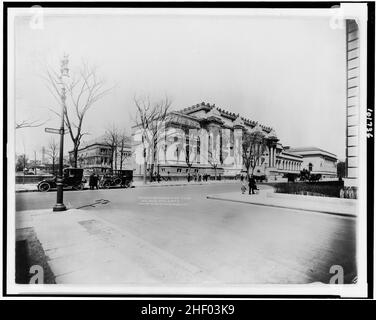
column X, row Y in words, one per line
column 252, row 185
column 91, row 181
column 243, row 188
column 96, row 181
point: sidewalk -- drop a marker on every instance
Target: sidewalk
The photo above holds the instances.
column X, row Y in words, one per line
column 138, row 184
column 83, row 248
column 181, row 183
column 266, row 197
column 27, row 187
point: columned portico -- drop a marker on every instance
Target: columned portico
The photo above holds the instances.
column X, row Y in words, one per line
column 272, row 154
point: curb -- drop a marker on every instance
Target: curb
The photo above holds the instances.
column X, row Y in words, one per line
column 178, row 185
column 20, row 191
column 342, row 214
column 36, row 190
column 141, row 186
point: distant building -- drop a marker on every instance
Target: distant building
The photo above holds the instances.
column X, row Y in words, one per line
column 287, row 162
column 317, row 161
column 35, row 163
column 96, row 155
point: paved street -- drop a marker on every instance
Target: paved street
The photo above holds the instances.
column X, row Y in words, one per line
column 228, row 242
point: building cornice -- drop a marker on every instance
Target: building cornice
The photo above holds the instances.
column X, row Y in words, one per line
column 230, row 115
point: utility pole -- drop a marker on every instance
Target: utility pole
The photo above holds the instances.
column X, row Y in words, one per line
column 24, row 161
column 64, row 72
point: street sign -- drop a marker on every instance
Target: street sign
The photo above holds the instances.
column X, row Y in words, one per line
column 52, row 130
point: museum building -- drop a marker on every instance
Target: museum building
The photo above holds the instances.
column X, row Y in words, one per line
column 221, row 154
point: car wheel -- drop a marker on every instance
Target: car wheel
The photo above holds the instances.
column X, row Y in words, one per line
column 117, row 181
column 78, row 187
column 106, row 185
column 44, row 187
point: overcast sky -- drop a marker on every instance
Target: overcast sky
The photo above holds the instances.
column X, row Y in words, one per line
column 285, row 73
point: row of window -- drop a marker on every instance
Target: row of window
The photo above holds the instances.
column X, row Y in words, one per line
column 178, row 170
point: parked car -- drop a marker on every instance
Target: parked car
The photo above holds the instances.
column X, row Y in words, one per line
column 119, row 178
column 27, row 171
column 72, row 178
column 314, row 177
column 260, row 178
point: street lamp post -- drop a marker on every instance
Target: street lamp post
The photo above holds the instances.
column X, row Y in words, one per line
column 60, row 206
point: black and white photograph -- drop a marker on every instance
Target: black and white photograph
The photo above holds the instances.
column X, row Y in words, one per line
column 187, row 150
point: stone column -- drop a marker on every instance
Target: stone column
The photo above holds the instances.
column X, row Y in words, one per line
column 227, row 158
column 270, row 156
column 238, row 159
column 204, row 155
column 214, row 146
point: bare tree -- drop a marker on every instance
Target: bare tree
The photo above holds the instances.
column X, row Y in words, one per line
column 83, row 90
column 216, row 150
column 52, row 152
column 21, row 162
column 112, row 140
column 254, row 145
column 150, row 120
column 187, row 140
column 29, row 124
column 122, row 143
column 190, row 150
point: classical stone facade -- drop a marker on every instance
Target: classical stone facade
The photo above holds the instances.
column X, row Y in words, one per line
column 352, row 100
column 317, row 161
column 287, row 162
column 205, row 139
column 95, row 155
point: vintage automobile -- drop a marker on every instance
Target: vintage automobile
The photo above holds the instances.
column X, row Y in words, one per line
column 314, row 177
column 72, row 178
column 260, row 178
column 118, row 178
